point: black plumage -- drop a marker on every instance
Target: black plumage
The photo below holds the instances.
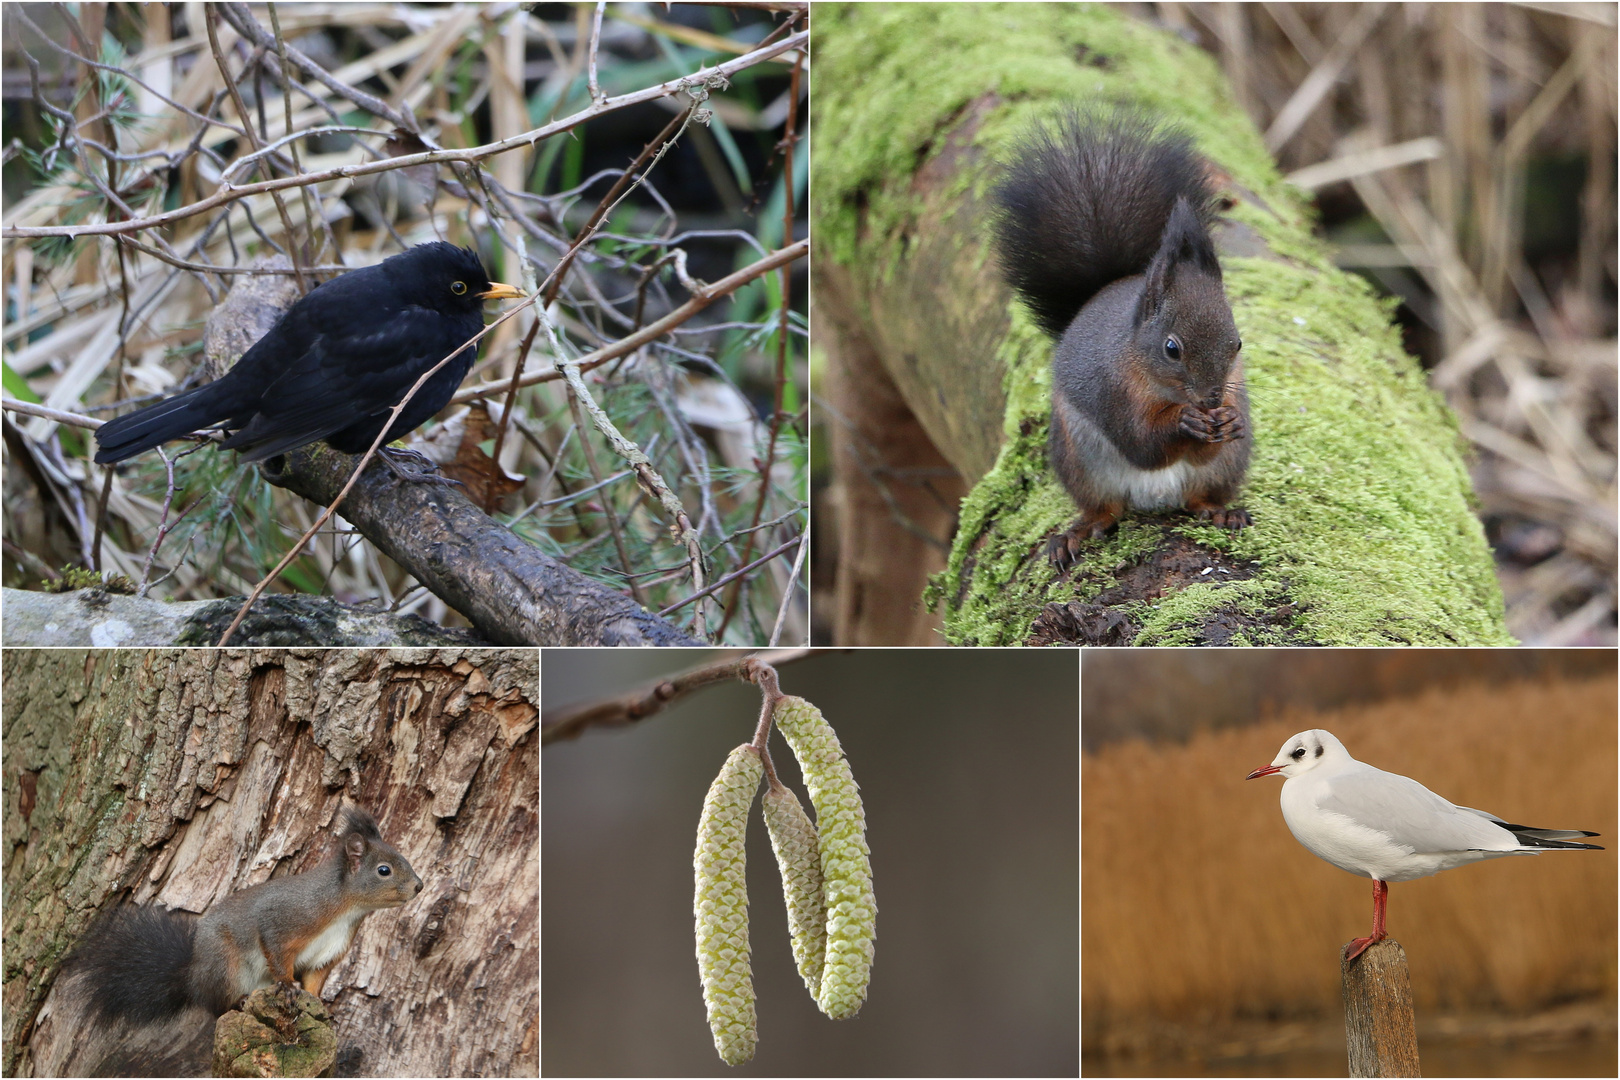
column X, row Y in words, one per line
column 335, row 365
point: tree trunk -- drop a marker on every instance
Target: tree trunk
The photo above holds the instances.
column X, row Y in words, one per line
column 1363, row 533
column 178, row 776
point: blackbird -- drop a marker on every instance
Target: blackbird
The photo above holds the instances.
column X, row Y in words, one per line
column 335, row 364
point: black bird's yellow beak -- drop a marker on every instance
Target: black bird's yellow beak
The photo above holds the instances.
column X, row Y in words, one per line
column 498, row 291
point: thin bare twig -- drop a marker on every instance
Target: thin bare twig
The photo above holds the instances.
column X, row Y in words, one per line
column 554, row 280
column 569, row 721
column 596, row 42
column 210, row 20
column 729, row 578
column 787, row 592
column 430, row 157
column 654, row 330
column 311, row 215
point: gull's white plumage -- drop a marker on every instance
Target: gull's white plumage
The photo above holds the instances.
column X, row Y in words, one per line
column 1388, row 827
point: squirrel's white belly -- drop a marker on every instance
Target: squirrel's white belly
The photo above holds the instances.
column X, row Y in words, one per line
column 1146, row 489
column 330, row 943
column 1112, row 476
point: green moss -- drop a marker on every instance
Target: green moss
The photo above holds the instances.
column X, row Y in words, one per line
column 1358, row 487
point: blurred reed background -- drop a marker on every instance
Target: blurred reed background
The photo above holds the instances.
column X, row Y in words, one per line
column 1210, row 937
column 1463, row 158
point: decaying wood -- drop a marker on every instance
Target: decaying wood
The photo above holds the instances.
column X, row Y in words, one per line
column 1378, row 1025
column 178, row 776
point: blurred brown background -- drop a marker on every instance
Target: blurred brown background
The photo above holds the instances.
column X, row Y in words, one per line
column 1127, row 694
column 967, row 765
column 1210, row 936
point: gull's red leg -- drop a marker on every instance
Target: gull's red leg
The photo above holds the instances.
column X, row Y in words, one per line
column 1380, row 901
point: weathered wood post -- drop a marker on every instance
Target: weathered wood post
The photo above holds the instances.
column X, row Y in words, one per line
column 1378, row 1025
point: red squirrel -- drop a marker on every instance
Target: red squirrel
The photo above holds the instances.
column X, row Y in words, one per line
column 147, row 964
column 1103, row 232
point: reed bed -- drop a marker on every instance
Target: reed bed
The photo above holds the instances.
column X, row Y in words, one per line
column 146, row 112
column 1199, row 908
column 1464, row 158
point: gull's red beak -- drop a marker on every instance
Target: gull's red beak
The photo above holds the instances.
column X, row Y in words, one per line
column 1264, row 770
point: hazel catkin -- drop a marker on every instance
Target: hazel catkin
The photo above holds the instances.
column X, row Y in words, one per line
column 720, row 905
column 846, row 868
column 798, row 857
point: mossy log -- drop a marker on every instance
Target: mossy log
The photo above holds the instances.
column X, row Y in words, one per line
column 1364, row 531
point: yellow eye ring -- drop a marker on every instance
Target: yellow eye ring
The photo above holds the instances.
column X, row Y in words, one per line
column 458, row 287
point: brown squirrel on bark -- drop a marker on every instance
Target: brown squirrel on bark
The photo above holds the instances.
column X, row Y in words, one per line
column 1103, row 232
column 140, row 968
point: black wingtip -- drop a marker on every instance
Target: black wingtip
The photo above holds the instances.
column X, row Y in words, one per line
column 1556, row 845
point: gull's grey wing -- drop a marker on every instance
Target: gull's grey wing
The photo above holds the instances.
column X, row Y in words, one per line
column 1411, row 814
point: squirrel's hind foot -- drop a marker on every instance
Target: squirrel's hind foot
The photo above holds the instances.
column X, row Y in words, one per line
column 1227, row 517
column 1063, row 549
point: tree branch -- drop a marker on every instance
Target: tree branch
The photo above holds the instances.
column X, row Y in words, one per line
column 569, row 721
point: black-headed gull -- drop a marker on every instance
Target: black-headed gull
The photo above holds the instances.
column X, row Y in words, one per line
column 1388, row 827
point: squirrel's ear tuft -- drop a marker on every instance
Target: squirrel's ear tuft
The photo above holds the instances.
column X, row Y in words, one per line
column 1184, row 245
column 356, row 820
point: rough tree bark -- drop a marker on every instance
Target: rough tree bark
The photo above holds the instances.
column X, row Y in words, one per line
column 178, row 776
column 1364, row 532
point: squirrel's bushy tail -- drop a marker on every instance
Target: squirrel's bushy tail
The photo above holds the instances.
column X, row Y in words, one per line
column 136, row 964
column 1085, row 202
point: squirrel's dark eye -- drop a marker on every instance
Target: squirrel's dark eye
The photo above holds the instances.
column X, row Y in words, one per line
column 1240, row 345
column 458, row 287
column 1172, row 347
column 383, row 869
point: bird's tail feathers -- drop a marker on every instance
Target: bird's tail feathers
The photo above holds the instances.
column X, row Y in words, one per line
column 128, row 435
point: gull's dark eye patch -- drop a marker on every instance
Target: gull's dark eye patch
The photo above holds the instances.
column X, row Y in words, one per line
column 1320, row 749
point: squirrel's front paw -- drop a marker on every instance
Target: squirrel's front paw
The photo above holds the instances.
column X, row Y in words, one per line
column 1222, row 424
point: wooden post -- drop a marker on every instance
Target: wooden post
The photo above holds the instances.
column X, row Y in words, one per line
column 1378, row 1025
